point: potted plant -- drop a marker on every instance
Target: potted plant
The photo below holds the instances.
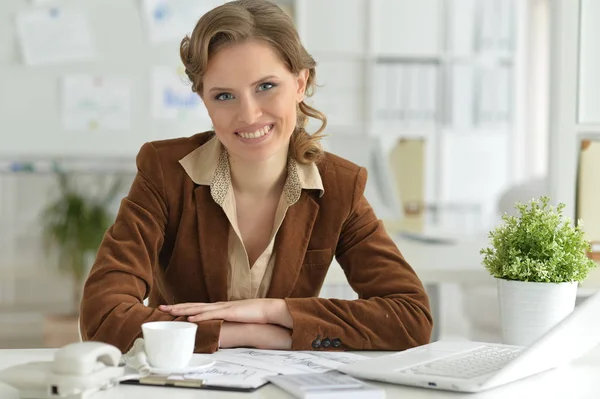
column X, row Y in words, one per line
column 538, row 259
column 74, row 224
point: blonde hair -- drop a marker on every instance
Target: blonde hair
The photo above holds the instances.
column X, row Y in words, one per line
column 238, row 21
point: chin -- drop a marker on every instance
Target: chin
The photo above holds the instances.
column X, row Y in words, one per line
column 259, row 154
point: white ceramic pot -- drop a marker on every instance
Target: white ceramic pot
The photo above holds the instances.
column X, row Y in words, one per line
column 528, row 310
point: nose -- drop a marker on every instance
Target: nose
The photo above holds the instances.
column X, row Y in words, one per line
column 249, row 110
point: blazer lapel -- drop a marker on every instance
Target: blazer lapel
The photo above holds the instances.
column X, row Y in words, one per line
column 213, row 232
column 291, row 244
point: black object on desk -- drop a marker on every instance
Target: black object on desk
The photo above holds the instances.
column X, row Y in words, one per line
column 161, row 381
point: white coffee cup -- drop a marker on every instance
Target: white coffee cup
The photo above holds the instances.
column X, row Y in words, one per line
column 169, row 344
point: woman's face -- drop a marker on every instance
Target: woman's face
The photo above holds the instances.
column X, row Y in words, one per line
column 251, row 98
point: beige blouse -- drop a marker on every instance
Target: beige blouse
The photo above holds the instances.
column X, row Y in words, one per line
column 209, row 165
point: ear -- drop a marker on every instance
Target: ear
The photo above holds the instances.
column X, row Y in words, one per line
column 301, row 81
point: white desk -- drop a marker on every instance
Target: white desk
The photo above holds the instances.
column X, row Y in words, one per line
column 459, row 262
column 456, row 263
column 436, row 264
column 575, row 381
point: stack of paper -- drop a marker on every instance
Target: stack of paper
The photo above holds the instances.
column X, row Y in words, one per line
column 247, row 369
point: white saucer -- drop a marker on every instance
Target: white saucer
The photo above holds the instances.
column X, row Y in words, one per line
column 198, row 363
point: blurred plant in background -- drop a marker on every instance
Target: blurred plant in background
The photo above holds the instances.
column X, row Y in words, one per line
column 74, row 224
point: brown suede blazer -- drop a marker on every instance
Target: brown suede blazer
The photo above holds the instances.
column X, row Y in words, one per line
column 169, row 244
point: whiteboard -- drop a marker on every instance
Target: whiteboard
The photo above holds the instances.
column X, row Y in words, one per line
column 32, row 119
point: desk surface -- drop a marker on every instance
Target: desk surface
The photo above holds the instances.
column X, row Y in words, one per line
column 575, row 381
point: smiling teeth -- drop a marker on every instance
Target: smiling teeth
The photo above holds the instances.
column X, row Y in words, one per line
column 256, row 134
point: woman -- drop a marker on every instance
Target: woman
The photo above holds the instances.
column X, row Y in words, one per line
column 235, row 229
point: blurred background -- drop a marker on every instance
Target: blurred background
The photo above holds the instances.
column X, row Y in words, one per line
column 458, row 108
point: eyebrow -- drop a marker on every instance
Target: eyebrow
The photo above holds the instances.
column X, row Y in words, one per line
column 252, row 84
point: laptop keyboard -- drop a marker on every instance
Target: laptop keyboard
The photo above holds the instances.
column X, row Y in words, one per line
column 480, row 361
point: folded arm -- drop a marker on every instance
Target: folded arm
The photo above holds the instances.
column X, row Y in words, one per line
column 392, row 312
column 126, row 267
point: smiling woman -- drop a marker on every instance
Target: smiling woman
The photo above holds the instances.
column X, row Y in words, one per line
column 234, row 229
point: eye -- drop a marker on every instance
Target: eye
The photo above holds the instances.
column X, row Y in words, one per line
column 223, row 97
column 266, row 86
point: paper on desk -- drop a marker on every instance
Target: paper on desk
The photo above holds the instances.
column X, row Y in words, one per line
column 285, row 362
column 339, row 357
column 221, row 374
column 231, row 375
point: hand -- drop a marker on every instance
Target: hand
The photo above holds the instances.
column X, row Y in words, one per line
column 244, row 311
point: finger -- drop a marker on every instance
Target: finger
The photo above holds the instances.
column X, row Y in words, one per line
column 187, row 311
column 194, row 304
column 212, row 315
column 214, row 306
column 198, row 309
column 180, row 305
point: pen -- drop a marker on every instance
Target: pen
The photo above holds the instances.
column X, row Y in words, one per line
column 165, row 381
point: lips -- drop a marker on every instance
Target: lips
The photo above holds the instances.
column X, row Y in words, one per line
column 256, row 134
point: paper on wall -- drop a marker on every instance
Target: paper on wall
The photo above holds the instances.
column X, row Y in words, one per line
column 54, row 35
column 171, row 20
column 172, row 95
column 93, row 103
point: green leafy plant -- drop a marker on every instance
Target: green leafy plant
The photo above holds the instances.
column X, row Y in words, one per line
column 74, row 224
column 539, row 245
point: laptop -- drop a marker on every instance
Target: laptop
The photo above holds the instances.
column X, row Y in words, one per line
column 467, row 366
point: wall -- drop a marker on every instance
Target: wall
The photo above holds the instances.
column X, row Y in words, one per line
column 31, row 126
column 30, row 120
